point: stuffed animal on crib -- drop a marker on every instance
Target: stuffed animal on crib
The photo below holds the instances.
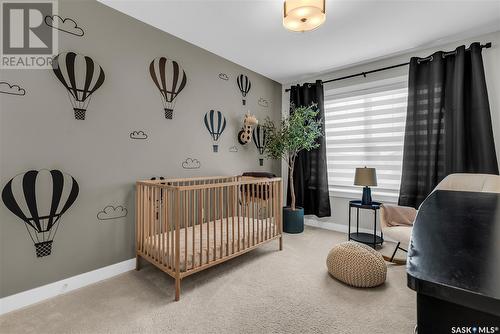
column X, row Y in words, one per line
column 245, row 135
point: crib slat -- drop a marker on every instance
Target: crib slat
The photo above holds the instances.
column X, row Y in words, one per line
column 208, row 222
column 245, row 217
column 214, row 217
column 193, row 225
column 138, row 237
column 161, row 210
column 177, row 244
column 233, row 203
column 226, row 190
column 155, row 222
column 141, row 218
column 168, row 229
column 163, row 195
column 260, row 199
column 280, row 212
column 261, row 213
column 252, row 211
column 221, row 216
column 266, row 207
column 238, row 211
column 148, row 221
column 185, row 227
column 200, row 222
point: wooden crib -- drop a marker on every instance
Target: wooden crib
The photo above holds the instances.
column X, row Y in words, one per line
column 186, row 225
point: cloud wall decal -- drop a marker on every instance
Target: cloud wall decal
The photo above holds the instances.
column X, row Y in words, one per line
column 233, row 149
column 191, row 163
column 223, row 76
column 263, row 102
column 138, row 135
column 112, row 212
column 67, row 25
column 6, row 88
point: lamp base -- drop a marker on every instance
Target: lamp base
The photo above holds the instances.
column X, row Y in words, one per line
column 367, row 196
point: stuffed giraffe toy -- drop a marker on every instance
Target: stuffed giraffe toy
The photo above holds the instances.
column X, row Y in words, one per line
column 245, row 135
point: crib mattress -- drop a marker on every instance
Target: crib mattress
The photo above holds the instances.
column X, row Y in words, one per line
column 212, row 240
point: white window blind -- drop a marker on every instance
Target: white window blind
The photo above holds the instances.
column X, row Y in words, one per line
column 365, row 127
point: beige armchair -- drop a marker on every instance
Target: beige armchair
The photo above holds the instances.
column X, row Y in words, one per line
column 397, row 221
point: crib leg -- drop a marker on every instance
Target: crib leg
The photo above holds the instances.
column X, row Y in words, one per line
column 137, row 262
column 177, row 289
column 281, row 242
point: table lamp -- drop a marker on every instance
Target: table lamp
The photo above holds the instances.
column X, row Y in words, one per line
column 366, row 177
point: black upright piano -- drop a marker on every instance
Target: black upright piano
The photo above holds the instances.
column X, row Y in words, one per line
column 454, row 263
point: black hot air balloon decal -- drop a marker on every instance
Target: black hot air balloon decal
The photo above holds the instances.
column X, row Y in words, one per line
column 215, row 123
column 259, row 138
column 170, row 79
column 39, row 199
column 81, row 76
column 244, row 85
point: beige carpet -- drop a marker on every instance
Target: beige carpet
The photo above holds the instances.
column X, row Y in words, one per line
column 264, row 291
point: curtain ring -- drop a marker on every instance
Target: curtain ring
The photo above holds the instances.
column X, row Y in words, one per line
column 431, row 58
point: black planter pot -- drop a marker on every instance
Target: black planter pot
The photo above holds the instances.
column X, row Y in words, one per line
column 293, row 221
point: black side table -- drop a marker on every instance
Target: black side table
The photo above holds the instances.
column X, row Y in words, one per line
column 365, row 238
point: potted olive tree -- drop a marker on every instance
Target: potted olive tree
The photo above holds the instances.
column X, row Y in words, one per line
column 297, row 132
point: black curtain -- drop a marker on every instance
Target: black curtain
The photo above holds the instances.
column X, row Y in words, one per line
column 448, row 125
column 310, row 172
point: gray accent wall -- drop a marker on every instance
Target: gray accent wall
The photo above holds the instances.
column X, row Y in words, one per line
column 39, row 131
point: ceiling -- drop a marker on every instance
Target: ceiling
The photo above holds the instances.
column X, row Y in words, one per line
column 250, row 33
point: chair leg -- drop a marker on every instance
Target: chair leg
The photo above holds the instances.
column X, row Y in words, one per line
column 394, row 253
column 281, row 242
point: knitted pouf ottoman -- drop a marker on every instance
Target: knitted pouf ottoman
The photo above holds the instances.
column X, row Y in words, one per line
column 356, row 264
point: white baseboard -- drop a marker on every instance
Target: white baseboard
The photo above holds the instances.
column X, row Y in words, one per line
column 25, row 298
column 332, row 226
column 339, row 227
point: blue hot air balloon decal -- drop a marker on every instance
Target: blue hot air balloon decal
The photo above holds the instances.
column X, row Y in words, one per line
column 39, row 199
column 215, row 123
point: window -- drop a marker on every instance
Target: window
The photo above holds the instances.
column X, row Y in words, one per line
column 365, row 126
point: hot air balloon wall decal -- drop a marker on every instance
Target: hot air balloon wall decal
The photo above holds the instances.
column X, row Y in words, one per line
column 39, row 199
column 215, row 123
column 170, row 78
column 81, row 76
column 259, row 138
column 244, row 85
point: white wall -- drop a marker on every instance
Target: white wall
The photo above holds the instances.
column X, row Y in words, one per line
column 491, row 59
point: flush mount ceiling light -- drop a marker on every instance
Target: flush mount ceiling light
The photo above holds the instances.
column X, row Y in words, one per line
column 303, row 15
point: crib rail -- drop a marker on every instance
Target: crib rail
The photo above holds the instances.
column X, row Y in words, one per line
column 187, row 225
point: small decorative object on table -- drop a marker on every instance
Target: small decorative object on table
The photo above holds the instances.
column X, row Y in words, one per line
column 365, row 238
column 366, row 177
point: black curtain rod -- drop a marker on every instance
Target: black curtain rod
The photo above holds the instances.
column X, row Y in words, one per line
column 487, row 46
